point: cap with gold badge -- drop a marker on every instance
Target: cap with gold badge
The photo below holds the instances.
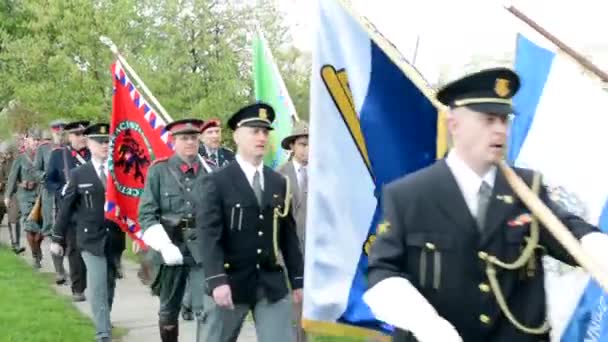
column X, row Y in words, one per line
column 488, row 91
column 254, row 115
column 98, row 132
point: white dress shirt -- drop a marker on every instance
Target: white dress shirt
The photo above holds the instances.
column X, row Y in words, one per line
column 299, row 169
column 250, row 170
column 468, row 181
column 97, row 165
column 210, row 151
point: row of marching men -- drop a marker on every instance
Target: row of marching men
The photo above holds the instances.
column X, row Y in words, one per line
column 225, row 231
column 36, row 179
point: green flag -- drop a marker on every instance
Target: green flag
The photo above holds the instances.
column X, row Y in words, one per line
column 270, row 88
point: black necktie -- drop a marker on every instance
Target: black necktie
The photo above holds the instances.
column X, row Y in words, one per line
column 257, row 187
column 485, row 192
column 102, row 175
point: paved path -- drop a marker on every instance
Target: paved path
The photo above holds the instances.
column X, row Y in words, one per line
column 134, row 308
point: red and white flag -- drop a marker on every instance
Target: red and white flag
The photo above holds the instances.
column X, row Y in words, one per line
column 137, row 137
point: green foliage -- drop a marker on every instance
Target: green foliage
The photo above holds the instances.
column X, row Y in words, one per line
column 194, row 55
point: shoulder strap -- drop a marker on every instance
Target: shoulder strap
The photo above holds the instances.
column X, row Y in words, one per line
column 176, row 177
column 66, row 171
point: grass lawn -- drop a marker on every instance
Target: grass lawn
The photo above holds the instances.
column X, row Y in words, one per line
column 31, row 311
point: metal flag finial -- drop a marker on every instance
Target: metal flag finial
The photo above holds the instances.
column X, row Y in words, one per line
column 109, row 43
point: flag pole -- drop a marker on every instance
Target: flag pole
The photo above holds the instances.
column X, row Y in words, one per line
column 147, row 93
column 582, row 60
column 110, row 44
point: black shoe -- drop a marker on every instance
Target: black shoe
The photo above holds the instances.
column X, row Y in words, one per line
column 37, row 264
column 18, row 250
column 78, row 297
column 119, row 273
column 60, row 279
column 187, row 314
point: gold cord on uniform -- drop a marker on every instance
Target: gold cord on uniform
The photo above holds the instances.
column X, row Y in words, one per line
column 527, row 257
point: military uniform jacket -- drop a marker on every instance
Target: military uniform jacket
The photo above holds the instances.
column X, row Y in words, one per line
column 22, row 171
column 431, row 238
column 83, row 203
column 172, row 189
column 41, row 160
column 224, row 156
column 237, row 236
column 61, row 162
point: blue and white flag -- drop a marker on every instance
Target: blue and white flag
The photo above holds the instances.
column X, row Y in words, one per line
column 560, row 129
column 372, row 120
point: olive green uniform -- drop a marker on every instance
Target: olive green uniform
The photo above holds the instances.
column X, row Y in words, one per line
column 41, row 162
column 23, row 181
column 170, row 197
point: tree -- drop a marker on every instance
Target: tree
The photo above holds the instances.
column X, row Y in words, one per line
column 194, row 55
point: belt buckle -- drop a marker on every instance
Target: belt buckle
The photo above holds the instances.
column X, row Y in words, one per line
column 185, row 224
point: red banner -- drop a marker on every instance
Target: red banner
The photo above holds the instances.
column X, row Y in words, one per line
column 138, row 137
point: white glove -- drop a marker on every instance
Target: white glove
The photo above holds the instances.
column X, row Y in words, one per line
column 596, row 244
column 156, row 237
column 65, row 186
column 397, row 302
column 172, row 255
column 56, row 249
column 7, row 201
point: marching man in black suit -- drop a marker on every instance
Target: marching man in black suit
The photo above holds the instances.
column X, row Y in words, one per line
column 98, row 239
column 245, row 222
column 458, row 257
column 61, row 163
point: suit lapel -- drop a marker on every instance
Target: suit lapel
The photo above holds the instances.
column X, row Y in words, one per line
column 499, row 208
column 93, row 174
column 241, row 183
column 293, row 180
column 449, row 197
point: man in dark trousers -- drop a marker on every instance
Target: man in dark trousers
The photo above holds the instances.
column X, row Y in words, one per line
column 445, row 255
column 211, row 147
column 98, row 238
column 61, row 163
column 245, row 222
column 167, row 211
column 51, row 140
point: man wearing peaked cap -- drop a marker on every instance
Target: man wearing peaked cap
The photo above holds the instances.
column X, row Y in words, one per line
column 167, row 215
column 459, row 217
column 61, row 164
column 211, row 149
column 237, row 225
column 98, row 239
column 296, row 169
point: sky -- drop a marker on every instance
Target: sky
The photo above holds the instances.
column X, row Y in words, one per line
column 452, row 32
